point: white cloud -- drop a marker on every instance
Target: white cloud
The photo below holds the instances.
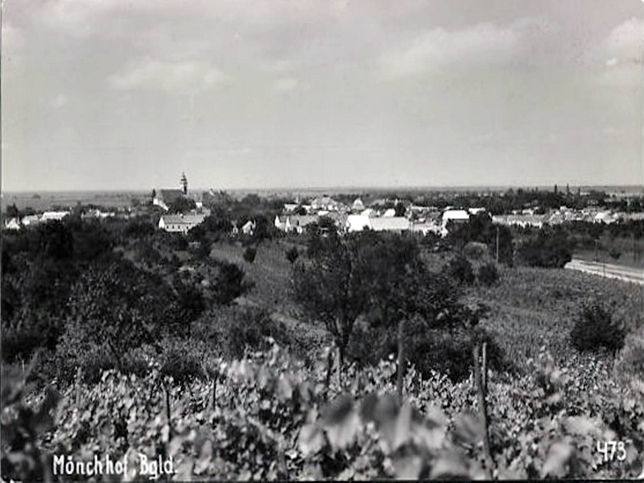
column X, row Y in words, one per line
column 59, row 101
column 527, row 39
column 625, row 43
column 285, row 84
column 155, row 74
column 437, row 48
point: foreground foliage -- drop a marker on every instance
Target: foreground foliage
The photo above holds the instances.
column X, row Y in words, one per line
column 268, row 416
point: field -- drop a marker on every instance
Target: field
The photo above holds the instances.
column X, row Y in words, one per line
column 47, row 200
column 531, row 308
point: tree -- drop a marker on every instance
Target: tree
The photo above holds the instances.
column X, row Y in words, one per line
column 12, row 211
column 332, row 287
column 249, row 254
column 550, row 248
column 400, row 209
column 154, row 193
column 229, row 283
column 116, row 306
column 292, row 254
column 480, row 228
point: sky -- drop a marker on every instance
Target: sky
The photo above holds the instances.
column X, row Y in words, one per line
column 128, row 94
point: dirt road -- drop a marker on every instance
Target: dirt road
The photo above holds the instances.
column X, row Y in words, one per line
column 627, row 274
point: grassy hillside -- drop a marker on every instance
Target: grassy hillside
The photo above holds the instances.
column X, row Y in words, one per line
column 533, row 307
column 530, row 307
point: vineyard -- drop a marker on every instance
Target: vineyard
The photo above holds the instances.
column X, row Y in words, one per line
column 268, row 416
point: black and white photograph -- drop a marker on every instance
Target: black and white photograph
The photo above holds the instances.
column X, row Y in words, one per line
column 279, row 240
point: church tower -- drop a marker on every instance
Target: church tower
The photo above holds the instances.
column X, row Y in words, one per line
column 184, row 184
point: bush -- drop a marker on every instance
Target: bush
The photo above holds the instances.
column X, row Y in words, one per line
column 488, row 274
column 233, row 330
column 182, row 359
column 595, row 329
column 292, row 254
column 460, row 269
column 615, row 253
column 475, row 250
column 446, row 351
column 632, row 358
column 550, row 248
column 229, row 283
column 249, row 254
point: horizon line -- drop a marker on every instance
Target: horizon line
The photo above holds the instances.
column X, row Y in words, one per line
column 343, row 188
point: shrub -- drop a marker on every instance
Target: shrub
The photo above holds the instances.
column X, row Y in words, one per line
column 595, row 328
column 446, row 351
column 460, row 269
column 182, row 359
column 249, row 254
column 488, row 274
column 615, row 253
column 229, row 283
column 632, row 357
column 292, row 254
column 475, row 250
column 233, row 330
column 550, row 248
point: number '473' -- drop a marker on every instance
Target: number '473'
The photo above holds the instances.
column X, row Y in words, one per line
column 611, row 450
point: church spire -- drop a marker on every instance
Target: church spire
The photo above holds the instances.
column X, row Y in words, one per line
column 184, row 183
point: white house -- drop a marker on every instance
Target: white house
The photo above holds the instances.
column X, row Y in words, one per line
column 454, row 216
column 523, row 221
column 294, row 223
column 396, row 224
column 30, row 220
column 389, row 223
column 604, row 217
column 181, row 223
column 357, row 205
column 12, row 224
column 248, row 228
column 358, row 223
column 54, row 215
column 326, row 203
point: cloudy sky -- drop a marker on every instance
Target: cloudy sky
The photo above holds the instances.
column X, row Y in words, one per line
column 127, row 94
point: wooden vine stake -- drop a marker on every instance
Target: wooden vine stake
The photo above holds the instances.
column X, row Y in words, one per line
column 401, row 360
column 214, row 391
column 329, row 369
column 480, row 376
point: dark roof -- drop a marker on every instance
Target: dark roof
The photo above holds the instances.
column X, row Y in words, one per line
column 169, row 195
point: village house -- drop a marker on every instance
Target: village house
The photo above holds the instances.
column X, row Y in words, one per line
column 357, row 206
column 523, row 221
column 326, row 203
column 13, row 224
column 30, row 220
column 53, row 215
column 249, row 227
column 294, row 223
column 181, row 223
column 96, row 213
column 455, row 217
column 361, row 222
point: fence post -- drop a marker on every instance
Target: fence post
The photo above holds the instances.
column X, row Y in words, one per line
column 482, row 407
